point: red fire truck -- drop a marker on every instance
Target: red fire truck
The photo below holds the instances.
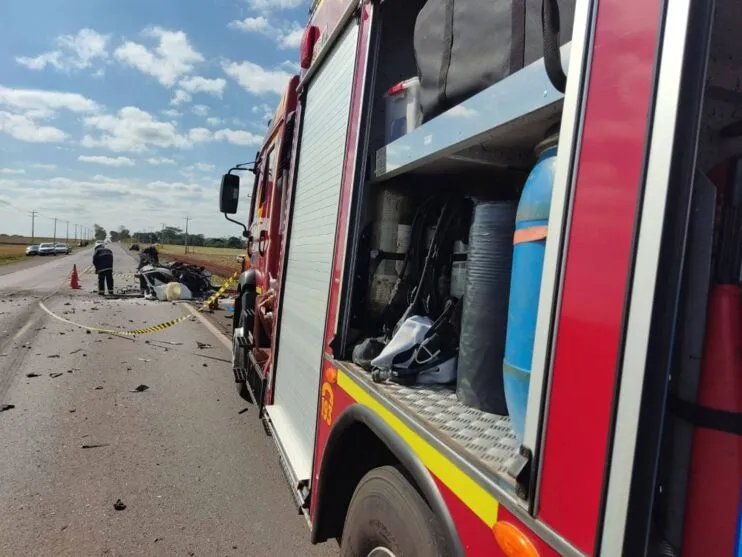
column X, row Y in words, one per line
column 630, row 443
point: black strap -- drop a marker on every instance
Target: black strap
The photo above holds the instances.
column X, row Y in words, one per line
column 446, row 58
column 552, row 57
column 708, row 418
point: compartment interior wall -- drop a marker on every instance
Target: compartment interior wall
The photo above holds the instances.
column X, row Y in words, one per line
column 395, row 60
column 720, row 138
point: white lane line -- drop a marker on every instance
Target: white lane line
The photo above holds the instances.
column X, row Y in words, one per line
column 22, row 330
column 225, row 340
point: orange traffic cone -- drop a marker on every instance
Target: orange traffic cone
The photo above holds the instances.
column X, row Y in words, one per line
column 74, row 279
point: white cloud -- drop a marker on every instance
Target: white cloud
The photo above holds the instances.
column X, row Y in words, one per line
column 291, row 37
column 291, row 66
column 238, row 137
column 172, row 113
column 172, row 58
column 159, row 161
column 268, row 5
column 42, row 166
column 204, row 167
column 74, row 52
column 180, row 97
column 12, row 171
column 107, row 161
column 45, row 101
column 286, row 34
column 41, row 61
column 214, row 121
column 87, row 45
column 255, row 78
column 132, row 130
column 258, row 24
column 264, row 110
column 200, row 109
column 23, row 128
column 200, row 135
column 198, row 84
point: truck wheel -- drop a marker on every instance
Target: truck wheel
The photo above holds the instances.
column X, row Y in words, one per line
column 243, row 320
column 387, row 517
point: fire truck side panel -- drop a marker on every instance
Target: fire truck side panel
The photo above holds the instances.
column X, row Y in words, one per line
column 326, row 18
column 600, row 239
column 466, row 510
column 306, row 276
column 346, row 193
column 350, row 172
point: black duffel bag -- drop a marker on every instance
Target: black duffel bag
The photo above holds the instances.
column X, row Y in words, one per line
column 464, row 46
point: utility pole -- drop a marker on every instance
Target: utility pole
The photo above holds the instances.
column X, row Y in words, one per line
column 162, row 234
column 33, row 222
column 68, row 232
column 55, row 230
column 75, row 233
column 186, row 234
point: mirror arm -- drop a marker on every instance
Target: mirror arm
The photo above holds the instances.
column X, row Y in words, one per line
column 245, row 166
column 244, row 228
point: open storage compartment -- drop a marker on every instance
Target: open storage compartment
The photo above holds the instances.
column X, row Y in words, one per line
column 453, row 183
column 695, row 351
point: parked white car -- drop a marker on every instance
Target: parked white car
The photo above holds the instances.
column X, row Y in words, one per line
column 47, row 249
column 63, row 248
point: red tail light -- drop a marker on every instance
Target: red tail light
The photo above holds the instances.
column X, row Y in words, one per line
column 306, row 51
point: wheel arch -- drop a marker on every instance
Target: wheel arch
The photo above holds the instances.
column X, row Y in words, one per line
column 365, row 432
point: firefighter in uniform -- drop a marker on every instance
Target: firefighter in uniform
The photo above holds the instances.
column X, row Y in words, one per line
column 103, row 262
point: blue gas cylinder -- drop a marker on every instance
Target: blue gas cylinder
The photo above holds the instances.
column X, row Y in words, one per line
column 529, row 242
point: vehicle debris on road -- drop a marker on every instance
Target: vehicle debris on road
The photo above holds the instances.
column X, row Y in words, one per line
column 119, row 505
column 4, row 407
column 140, row 388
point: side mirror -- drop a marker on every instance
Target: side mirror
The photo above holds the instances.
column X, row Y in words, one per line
column 229, row 194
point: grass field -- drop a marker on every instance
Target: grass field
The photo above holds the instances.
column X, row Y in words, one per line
column 220, row 256
column 11, row 253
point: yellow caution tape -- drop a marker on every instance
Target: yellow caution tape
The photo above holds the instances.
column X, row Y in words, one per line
column 152, row 328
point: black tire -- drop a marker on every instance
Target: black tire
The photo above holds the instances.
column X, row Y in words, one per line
column 388, row 514
column 241, row 319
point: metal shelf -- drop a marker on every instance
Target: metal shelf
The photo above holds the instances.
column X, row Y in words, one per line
column 496, row 128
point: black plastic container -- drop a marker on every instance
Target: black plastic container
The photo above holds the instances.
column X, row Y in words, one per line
column 485, row 311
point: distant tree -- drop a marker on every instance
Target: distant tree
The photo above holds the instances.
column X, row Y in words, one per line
column 196, row 239
column 99, row 232
column 234, row 242
column 114, row 236
column 124, row 233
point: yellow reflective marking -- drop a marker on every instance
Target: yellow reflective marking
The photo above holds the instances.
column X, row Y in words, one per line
column 463, row 486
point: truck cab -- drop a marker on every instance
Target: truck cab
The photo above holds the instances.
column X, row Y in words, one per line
column 258, row 283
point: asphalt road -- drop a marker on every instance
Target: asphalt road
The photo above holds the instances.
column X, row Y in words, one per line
column 188, row 457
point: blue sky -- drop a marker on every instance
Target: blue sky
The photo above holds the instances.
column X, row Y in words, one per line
column 127, row 113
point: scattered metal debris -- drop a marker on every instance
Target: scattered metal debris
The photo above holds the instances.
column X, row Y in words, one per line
column 4, row 407
column 94, row 445
column 243, row 411
column 53, row 356
column 99, row 388
column 55, row 375
column 144, row 360
column 76, row 351
column 33, row 375
column 119, row 505
column 203, row 345
column 140, row 388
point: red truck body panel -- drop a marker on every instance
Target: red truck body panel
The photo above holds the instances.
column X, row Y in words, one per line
column 600, row 243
